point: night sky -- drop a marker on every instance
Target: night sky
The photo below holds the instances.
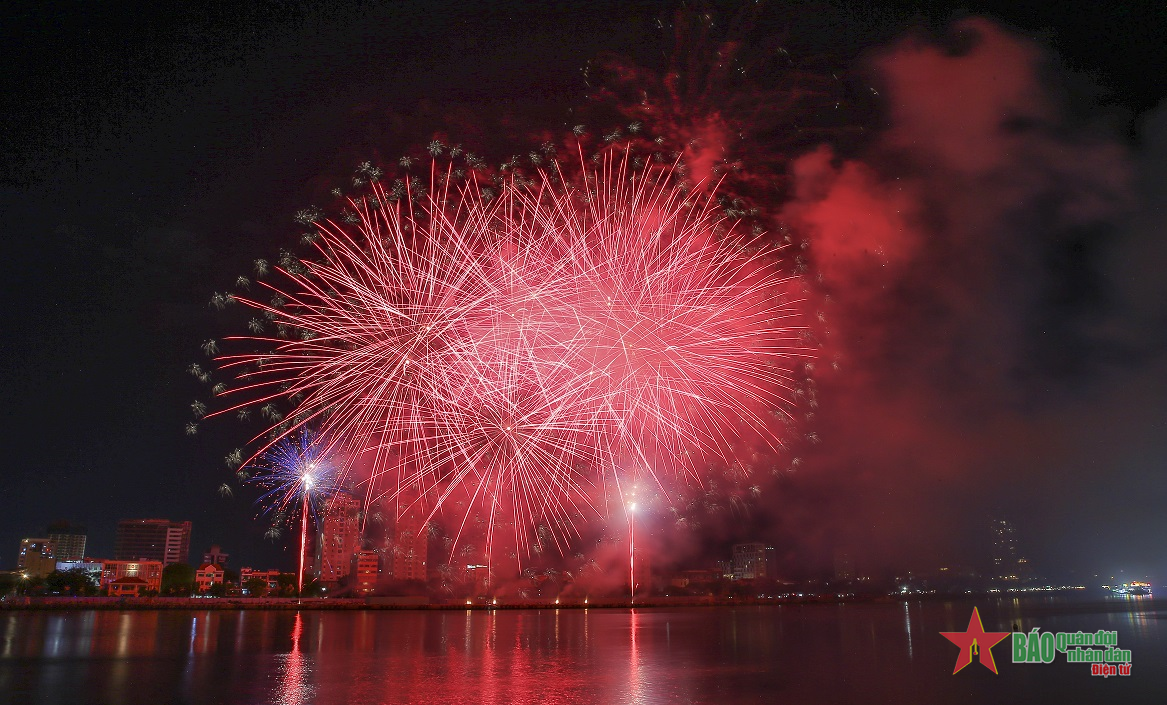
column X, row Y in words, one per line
column 1002, row 351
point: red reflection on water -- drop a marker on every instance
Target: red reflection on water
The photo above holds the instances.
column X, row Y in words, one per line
column 293, row 686
column 633, row 660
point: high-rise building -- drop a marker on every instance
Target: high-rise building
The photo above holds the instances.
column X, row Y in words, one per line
column 410, row 548
column 68, row 541
column 844, row 566
column 36, row 557
column 153, row 540
column 752, row 560
column 339, row 538
column 215, row 555
column 478, row 577
column 1008, row 561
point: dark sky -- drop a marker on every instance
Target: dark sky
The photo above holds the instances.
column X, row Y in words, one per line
column 151, row 152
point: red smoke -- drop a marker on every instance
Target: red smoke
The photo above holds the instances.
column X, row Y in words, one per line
column 931, row 249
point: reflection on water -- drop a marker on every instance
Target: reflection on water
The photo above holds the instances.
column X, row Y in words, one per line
column 294, row 686
column 908, row 627
column 792, row 653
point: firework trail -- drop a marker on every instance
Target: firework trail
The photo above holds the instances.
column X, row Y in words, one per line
column 526, row 352
column 296, row 470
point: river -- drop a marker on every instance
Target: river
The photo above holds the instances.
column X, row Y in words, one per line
column 809, row 653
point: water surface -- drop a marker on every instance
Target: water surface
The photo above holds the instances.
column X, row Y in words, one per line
column 882, row 653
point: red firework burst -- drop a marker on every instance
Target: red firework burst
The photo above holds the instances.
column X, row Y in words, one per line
column 522, row 352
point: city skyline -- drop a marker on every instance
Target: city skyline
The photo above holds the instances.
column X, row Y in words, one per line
column 343, row 555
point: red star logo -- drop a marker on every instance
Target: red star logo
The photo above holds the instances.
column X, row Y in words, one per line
column 973, row 638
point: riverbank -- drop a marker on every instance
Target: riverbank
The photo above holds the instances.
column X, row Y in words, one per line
column 426, row 603
column 374, row 603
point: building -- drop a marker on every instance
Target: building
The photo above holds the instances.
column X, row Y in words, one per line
column 844, row 566
column 149, row 571
column 752, row 561
column 68, row 541
column 1008, row 562
column 339, row 537
column 215, row 555
column 128, row 587
column 153, row 540
column 36, row 557
column 271, row 577
column 91, row 568
column 410, row 548
column 697, row 579
column 478, row 577
column 208, row 574
column 366, row 571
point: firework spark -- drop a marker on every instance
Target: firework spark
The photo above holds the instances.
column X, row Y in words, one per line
column 297, row 469
column 298, row 465
column 528, row 351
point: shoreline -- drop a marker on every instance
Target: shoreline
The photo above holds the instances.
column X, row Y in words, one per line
column 426, row 604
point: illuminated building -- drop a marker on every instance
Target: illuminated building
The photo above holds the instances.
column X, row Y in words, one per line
column 68, row 541
column 149, row 571
column 366, row 571
column 410, row 548
column 752, row 561
column 36, row 557
column 271, row 577
column 90, row 568
column 153, row 540
column 339, row 538
column 1137, row 588
column 1008, row 562
column 208, row 574
column 128, row 587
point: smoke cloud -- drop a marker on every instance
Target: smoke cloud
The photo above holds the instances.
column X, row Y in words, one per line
column 971, row 317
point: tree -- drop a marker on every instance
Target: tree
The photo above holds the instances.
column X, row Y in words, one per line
column 313, row 589
column 217, row 590
column 75, row 582
column 287, row 583
column 256, row 587
column 178, row 579
column 31, row 585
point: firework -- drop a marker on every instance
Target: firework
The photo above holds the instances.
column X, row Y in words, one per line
column 525, row 352
column 296, row 471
